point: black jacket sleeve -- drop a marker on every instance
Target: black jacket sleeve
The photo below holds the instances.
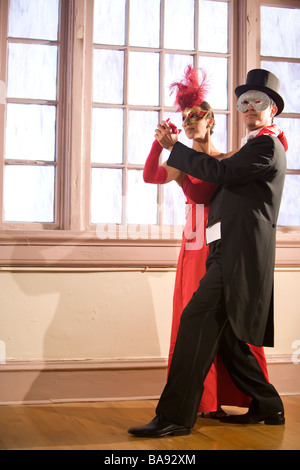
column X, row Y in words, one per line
column 250, row 163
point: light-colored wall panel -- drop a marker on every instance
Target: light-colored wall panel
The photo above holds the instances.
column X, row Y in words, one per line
column 83, row 314
column 81, row 334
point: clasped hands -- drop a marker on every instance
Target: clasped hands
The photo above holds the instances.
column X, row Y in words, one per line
column 166, row 134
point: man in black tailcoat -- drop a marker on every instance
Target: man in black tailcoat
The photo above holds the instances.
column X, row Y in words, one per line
column 233, row 306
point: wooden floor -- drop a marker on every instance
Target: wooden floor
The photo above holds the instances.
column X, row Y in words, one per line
column 104, row 426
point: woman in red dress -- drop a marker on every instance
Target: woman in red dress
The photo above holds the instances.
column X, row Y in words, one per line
column 198, row 124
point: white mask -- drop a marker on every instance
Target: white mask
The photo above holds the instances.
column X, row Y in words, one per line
column 258, row 99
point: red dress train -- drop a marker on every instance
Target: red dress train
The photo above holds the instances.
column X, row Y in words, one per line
column 218, row 387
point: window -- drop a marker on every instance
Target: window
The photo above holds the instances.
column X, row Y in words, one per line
column 31, row 159
column 80, row 97
column 281, row 55
column 134, row 63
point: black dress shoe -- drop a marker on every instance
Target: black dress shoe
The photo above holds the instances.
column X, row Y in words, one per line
column 252, row 418
column 160, row 427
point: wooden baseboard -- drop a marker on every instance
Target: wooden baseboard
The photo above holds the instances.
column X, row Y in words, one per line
column 72, row 381
column 29, row 382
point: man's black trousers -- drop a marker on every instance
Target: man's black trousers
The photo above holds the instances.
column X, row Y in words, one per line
column 205, row 331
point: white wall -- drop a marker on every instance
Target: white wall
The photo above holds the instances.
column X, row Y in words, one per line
column 85, row 315
column 287, row 311
column 110, row 315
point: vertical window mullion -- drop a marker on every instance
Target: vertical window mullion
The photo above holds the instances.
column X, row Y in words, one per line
column 230, row 91
column 160, row 192
column 196, row 33
column 63, row 114
column 3, row 79
column 125, row 116
column 125, row 154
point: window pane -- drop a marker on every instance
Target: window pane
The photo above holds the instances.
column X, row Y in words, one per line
column 179, row 24
column 280, row 32
column 290, row 205
column 291, row 128
column 34, row 19
column 144, row 31
column 106, row 198
column 219, row 136
column 29, row 194
column 107, row 128
column 213, row 16
column 288, row 75
column 174, row 205
column 141, row 129
column 175, row 65
column 143, row 78
column 30, row 132
column 216, row 69
column 109, row 22
column 141, row 200
column 32, row 71
column 108, row 74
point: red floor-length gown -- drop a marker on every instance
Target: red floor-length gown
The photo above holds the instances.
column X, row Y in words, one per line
column 218, row 386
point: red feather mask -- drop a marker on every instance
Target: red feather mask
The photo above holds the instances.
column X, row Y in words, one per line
column 190, row 92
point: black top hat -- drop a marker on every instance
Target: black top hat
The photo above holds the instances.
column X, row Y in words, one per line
column 262, row 80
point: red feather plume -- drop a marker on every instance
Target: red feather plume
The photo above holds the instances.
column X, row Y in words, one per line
column 190, row 92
